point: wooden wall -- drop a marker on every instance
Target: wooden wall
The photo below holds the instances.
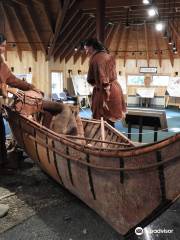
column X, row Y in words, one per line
column 41, row 69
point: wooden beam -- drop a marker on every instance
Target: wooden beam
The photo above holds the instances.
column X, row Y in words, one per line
column 113, row 35
column 20, row 2
column 100, row 20
column 110, row 34
column 137, row 45
column 67, row 35
column 45, row 8
column 88, row 28
column 158, row 48
column 146, row 42
column 75, row 39
column 59, row 23
column 171, row 57
column 11, row 29
column 119, row 40
column 24, row 29
column 68, row 18
column 126, row 45
column 33, row 16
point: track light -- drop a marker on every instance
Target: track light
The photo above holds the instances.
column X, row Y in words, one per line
column 152, row 12
column 170, row 41
column 146, row 2
column 159, row 26
column 174, row 46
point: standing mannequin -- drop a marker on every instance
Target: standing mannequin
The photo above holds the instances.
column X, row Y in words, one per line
column 107, row 98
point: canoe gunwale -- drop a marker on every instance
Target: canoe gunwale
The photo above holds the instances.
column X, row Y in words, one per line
column 100, row 151
column 79, row 160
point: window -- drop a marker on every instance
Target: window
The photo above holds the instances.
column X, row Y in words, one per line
column 135, row 80
column 160, row 81
column 56, row 82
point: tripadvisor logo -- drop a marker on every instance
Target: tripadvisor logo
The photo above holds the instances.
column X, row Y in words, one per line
column 139, row 231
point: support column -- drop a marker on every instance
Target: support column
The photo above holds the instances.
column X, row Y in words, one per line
column 100, row 20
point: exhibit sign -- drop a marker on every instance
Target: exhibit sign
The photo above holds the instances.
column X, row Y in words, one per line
column 148, row 70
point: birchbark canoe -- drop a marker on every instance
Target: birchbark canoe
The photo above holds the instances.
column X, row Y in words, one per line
column 124, row 183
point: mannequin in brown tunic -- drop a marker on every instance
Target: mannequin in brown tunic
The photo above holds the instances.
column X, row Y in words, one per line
column 107, row 97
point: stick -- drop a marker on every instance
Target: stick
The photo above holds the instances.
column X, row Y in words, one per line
column 102, row 132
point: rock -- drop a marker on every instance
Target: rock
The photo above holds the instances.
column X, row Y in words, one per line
column 4, row 208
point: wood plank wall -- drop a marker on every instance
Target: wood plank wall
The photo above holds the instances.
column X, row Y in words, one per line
column 41, row 69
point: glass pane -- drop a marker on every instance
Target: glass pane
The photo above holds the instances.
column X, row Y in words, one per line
column 56, row 82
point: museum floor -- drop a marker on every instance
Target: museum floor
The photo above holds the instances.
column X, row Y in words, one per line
column 40, row 209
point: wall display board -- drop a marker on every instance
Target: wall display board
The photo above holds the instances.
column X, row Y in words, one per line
column 145, row 92
column 122, row 82
column 135, row 80
column 159, row 80
column 81, row 86
column 25, row 76
column 173, row 87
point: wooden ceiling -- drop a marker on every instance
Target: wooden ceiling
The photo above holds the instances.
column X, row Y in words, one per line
column 58, row 26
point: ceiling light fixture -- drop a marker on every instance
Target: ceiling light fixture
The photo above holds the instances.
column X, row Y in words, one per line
column 152, row 12
column 146, row 2
column 174, row 46
column 170, row 41
column 159, row 26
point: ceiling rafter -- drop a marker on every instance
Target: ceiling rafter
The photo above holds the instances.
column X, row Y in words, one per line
column 114, row 34
column 24, row 29
column 33, row 16
column 20, row 2
column 171, row 57
column 119, row 40
column 45, row 7
column 89, row 30
column 146, row 43
column 68, row 19
column 110, row 34
column 137, row 45
column 11, row 29
column 69, row 32
column 59, row 23
column 126, row 45
column 158, row 48
column 75, row 37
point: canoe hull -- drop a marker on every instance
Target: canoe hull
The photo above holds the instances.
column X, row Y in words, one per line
column 123, row 198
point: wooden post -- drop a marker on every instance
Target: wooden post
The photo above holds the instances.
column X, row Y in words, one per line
column 100, row 20
column 3, row 153
column 102, row 132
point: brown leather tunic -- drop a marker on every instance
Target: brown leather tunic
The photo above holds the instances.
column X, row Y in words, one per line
column 101, row 74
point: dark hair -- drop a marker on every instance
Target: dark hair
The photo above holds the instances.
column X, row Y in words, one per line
column 96, row 44
column 2, row 38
